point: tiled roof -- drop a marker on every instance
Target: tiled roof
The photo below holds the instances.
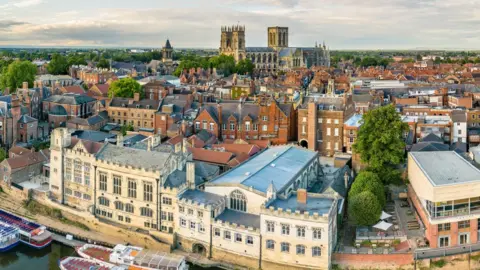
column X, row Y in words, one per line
column 90, row 146
column 72, row 99
column 103, row 88
column 210, row 156
column 74, row 89
column 28, row 159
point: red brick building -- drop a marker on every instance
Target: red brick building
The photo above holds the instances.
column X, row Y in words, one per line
column 264, row 119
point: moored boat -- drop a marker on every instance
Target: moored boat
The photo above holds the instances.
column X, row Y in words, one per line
column 31, row 233
column 75, row 263
column 95, row 252
column 9, row 237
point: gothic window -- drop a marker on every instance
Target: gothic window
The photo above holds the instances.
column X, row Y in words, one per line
column 264, row 58
column 146, row 212
column 119, row 205
column 103, row 201
column 229, row 43
column 269, row 58
column 238, row 201
column 129, row 208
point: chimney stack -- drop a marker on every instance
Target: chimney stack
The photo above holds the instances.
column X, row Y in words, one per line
column 191, row 174
column 302, row 196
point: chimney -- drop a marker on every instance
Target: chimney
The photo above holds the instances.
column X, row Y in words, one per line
column 191, row 174
column 149, row 144
column 302, row 196
column 25, row 85
column 136, row 97
column 120, row 139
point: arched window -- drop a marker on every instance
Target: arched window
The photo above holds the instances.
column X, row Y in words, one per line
column 316, row 252
column 238, row 201
column 146, row 212
column 103, row 201
column 300, row 250
column 119, row 205
column 129, row 208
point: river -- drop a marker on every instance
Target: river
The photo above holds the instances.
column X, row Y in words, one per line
column 23, row 257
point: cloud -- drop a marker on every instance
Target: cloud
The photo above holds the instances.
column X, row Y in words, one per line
column 26, row 3
column 4, row 24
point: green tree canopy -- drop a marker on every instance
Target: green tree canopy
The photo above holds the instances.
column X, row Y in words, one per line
column 125, row 88
column 364, row 209
column 58, row 65
column 244, row 67
column 126, row 128
column 368, row 181
column 16, row 73
column 103, row 63
column 3, row 154
column 380, row 140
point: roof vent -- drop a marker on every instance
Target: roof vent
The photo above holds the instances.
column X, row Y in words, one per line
column 247, row 173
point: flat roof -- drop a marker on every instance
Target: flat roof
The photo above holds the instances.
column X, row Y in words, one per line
column 446, row 168
column 314, row 204
column 277, row 164
column 354, row 121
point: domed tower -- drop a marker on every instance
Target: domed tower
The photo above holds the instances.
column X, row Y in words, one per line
column 167, row 52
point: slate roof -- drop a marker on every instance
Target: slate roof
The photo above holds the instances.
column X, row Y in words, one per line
column 58, row 110
column 151, row 160
column 201, row 197
column 320, row 205
column 92, row 135
column 142, row 104
column 431, row 137
column 26, row 119
column 259, row 49
column 429, row 146
column 168, row 45
column 240, row 218
column 70, row 98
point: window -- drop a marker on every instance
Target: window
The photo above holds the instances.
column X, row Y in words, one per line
column 304, row 119
column 316, row 252
column 300, row 250
column 212, row 126
column 328, row 132
column 270, row 244
column 464, row 224
column 167, row 201
column 77, row 194
column 270, row 226
column 247, row 126
column 170, row 216
column 320, row 120
column 444, row 227
column 285, row 247
column 216, row 232
column 201, row 228
column 275, row 128
column 255, row 127
column 87, row 197
column 77, row 171
column 128, row 220
column 103, row 201
column 129, row 208
column 464, row 238
column 335, row 121
column 265, row 118
column 264, row 128
column 132, row 188
column 181, row 209
column 68, row 191
column 183, row 222
column 329, row 121
column 86, row 173
column 163, row 215
column 227, row 235
column 304, row 129
column 147, row 192
column 193, row 225
column 224, row 126
column 117, row 185
column 249, row 240
column 232, row 126
column 238, row 237
column 200, row 214
column 119, row 205
column 103, row 182
column 190, row 211
column 317, row 233
column 146, row 212
column 336, row 132
column 328, row 146
column 204, row 124
column 300, row 231
column 238, row 201
column 197, row 125
column 336, row 146
column 285, row 229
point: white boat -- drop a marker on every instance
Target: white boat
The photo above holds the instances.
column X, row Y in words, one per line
column 96, row 253
column 75, row 263
column 9, row 237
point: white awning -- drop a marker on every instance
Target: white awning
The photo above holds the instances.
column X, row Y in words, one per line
column 385, row 216
column 382, row 225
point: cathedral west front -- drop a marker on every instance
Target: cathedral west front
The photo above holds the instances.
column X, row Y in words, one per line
column 278, row 56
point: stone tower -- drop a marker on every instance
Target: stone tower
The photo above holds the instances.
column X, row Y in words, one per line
column 60, row 139
column 232, row 42
column 277, row 37
column 167, row 52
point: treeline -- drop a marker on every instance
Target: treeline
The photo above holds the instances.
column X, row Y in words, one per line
column 224, row 64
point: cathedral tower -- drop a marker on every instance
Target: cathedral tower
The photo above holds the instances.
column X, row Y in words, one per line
column 232, row 42
column 277, row 37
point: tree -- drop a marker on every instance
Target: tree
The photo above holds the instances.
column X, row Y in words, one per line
column 3, row 154
column 125, row 88
column 368, row 181
column 419, row 57
column 126, row 128
column 244, row 67
column 58, row 65
column 103, row 63
column 380, row 140
column 16, row 73
column 364, row 209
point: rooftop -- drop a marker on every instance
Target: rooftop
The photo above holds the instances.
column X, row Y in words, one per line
column 240, row 218
column 446, row 168
column 201, row 197
column 278, row 164
column 354, row 121
column 320, row 205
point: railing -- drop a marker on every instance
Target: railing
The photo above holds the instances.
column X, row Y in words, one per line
column 376, row 236
column 447, row 251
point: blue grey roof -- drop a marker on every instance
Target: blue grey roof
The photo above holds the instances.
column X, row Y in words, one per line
column 278, row 164
column 92, row 135
column 354, row 121
column 259, row 49
column 178, row 178
column 26, row 119
column 286, row 52
column 58, row 110
column 241, row 218
column 202, row 197
column 151, row 160
column 133, row 139
column 320, row 205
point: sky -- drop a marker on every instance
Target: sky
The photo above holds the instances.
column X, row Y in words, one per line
column 342, row 24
